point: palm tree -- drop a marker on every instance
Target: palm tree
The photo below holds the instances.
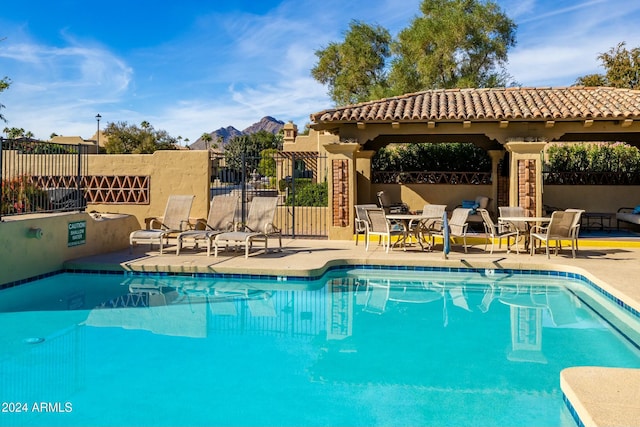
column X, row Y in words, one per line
column 207, row 138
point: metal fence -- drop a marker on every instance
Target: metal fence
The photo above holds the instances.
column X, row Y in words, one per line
column 299, row 180
column 41, row 176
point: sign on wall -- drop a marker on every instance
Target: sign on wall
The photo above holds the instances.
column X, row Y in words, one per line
column 77, row 233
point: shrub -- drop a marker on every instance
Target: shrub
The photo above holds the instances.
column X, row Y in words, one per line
column 309, row 194
column 445, row 157
column 591, row 157
column 20, row 195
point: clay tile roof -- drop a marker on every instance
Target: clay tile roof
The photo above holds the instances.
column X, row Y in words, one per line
column 491, row 104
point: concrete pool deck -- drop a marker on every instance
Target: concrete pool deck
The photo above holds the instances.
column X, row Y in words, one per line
column 600, row 396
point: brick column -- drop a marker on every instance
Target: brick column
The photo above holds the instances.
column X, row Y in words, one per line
column 342, row 189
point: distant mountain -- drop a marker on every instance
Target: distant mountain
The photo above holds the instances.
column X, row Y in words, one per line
column 268, row 124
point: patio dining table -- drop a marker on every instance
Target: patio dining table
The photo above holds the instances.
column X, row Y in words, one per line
column 410, row 222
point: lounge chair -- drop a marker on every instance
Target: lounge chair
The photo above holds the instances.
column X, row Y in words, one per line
column 259, row 227
column 160, row 229
column 222, row 213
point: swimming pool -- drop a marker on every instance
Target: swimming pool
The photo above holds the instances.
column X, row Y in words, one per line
column 357, row 346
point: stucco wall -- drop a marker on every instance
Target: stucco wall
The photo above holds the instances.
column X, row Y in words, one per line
column 171, row 172
column 417, row 195
column 22, row 256
column 593, row 198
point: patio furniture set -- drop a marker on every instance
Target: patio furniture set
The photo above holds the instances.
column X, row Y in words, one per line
column 512, row 225
column 220, row 230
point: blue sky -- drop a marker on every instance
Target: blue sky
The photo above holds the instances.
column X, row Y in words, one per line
column 194, row 66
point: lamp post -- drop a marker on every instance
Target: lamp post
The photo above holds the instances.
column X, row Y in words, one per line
column 98, row 117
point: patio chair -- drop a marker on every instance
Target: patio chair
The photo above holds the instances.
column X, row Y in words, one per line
column 457, row 227
column 222, row 213
column 559, row 228
column 380, row 226
column 480, row 202
column 517, row 211
column 258, row 228
column 389, row 206
column 160, row 229
column 362, row 221
column 421, row 230
column 575, row 226
column 498, row 231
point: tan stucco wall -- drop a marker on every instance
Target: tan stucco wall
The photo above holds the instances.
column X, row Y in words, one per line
column 22, row 257
column 592, row 198
column 417, row 195
column 171, row 172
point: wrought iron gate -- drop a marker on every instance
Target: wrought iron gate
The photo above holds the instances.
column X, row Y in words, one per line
column 298, row 179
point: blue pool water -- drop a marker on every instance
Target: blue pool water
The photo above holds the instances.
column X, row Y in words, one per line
column 356, row 347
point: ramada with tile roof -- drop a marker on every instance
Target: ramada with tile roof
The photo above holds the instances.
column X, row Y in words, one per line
column 518, row 120
column 493, row 115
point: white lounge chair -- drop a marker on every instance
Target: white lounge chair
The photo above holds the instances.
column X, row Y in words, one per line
column 221, row 218
column 259, row 227
column 160, row 229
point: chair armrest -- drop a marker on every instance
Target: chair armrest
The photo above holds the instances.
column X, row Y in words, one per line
column 361, row 224
column 187, row 225
column 538, row 228
column 151, row 221
column 436, row 225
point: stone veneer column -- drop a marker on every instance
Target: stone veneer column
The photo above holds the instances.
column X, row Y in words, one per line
column 525, row 178
column 342, row 189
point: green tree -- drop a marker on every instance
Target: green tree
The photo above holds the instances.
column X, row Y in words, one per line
column 622, row 69
column 4, row 84
column 250, row 146
column 14, row 133
column 355, row 68
column 453, row 43
column 207, row 138
column 267, row 165
column 123, row 138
